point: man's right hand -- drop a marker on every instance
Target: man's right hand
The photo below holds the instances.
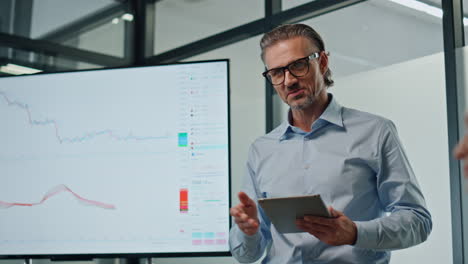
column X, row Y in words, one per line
column 245, row 215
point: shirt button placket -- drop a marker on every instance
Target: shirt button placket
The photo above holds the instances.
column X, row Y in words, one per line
column 305, row 160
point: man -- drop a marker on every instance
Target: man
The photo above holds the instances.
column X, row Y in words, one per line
column 353, row 159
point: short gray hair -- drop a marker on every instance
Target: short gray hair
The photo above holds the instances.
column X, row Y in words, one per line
column 285, row 32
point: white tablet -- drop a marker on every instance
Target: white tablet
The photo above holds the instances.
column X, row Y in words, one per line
column 283, row 212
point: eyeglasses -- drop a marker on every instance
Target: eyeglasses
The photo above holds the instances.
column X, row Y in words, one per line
column 297, row 68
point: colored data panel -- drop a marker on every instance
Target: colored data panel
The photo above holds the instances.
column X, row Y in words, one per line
column 183, row 198
column 183, row 139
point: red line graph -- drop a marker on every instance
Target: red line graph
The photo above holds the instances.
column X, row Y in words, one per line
column 54, row 191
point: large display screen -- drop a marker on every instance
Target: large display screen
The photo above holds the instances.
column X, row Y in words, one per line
column 115, row 161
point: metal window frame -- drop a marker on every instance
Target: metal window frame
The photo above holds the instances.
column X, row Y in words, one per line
column 50, row 48
column 272, row 8
column 453, row 40
column 47, row 44
column 85, row 24
column 142, row 34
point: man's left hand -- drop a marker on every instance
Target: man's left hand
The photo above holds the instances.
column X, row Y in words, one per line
column 336, row 231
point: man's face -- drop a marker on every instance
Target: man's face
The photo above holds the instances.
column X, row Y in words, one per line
column 298, row 92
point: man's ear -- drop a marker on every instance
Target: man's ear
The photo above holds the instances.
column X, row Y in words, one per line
column 323, row 62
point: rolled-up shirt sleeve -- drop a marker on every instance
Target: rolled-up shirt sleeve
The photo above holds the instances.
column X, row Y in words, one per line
column 409, row 222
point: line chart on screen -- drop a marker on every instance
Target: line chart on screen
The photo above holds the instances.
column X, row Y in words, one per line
column 54, row 191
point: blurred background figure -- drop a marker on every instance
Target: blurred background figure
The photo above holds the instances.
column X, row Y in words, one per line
column 461, row 150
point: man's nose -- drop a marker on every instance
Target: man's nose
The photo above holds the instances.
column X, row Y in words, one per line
column 289, row 79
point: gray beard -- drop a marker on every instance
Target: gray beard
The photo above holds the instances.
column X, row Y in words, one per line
column 308, row 102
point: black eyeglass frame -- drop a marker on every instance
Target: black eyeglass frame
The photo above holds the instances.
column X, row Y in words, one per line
column 312, row 56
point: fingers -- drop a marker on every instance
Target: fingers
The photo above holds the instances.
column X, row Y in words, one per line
column 323, row 224
column 241, row 217
column 320, row 221
column 457, row 151
column 234, row 211
column 342, row 233
column 240, row 208
column 237, row 210
column 461, row 150
column 248, row 223
column 313, row 227
column 319, row 232
column 245, row 199
column 334, row 212
column 244, row 217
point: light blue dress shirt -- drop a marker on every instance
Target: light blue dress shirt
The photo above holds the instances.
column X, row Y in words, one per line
column 356, row 162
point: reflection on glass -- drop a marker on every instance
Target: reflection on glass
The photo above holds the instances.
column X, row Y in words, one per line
column 17, row 62
column 108, row 38
column 180, row 22
column 95, row 25
column 377, row 34
column 52, row 15
column 287, row 4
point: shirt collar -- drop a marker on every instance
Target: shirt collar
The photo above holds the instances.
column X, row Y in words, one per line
column 332, row 115
column 333, row 112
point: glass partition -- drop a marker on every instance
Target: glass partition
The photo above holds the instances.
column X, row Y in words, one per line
column 388, row 59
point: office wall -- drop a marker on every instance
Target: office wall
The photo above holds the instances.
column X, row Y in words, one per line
column 180, row 22
column 412, row 94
